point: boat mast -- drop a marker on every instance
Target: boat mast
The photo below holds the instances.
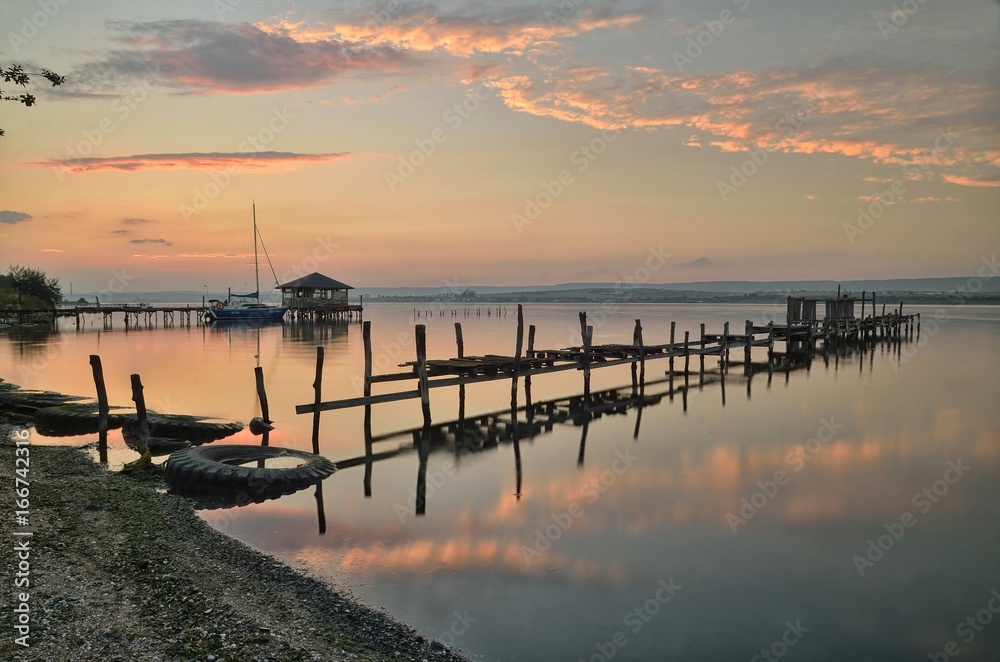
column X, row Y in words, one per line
column 256, row 271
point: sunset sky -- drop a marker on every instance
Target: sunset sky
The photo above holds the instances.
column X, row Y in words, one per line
column 447, row 144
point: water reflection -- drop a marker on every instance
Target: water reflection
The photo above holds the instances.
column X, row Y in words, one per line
column 487, row 500
column 488, row 431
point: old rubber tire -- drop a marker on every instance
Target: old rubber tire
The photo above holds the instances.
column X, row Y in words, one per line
column 191, row 428
column 70, row 421
column 218, row 469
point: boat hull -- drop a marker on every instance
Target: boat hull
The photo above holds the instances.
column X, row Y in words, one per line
column 263, row 314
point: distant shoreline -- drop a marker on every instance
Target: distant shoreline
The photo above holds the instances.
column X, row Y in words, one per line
column 652, row 296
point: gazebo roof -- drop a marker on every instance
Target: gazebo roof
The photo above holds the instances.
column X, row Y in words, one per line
column 316, row 281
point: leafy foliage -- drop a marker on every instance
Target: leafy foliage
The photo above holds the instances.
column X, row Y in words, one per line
column 16, row 74
column 30, row 282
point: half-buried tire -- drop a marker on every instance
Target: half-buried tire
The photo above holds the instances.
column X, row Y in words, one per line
column 229, row 469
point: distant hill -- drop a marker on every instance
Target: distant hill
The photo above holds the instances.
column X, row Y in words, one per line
column 919, row 289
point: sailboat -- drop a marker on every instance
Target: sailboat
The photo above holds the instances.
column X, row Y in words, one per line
column 247, row 307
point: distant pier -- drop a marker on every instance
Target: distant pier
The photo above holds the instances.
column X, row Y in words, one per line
column 801, row 333
column 132, row 314
column 136, row 315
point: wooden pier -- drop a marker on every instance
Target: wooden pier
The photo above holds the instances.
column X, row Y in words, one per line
column 801, row 334
column 326, row 313
column 130, row 313
column 509, row 427
column 136, row 315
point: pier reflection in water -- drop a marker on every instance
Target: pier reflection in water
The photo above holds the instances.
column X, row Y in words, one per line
column 549, row 555
column 488, row 431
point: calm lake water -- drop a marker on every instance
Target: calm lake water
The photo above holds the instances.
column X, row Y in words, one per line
column 847, row 512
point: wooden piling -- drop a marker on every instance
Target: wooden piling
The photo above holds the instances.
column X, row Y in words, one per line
column 265, row 413
column 673, row 329
column 318, row 389
column 531, row 355
column 585, row 335
column 635, row 366
column 425, row 399
column 748, row 330
column 102, row 407
column 366, row 338
column 458, row 340
column 724, row 347
column 642, row 355
column 140, row 407
column 701, row 356
column 687, row 353
column 517, row 357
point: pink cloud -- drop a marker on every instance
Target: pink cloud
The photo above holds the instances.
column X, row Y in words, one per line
column 209, row 56
column 888, row 114
column 250, row 161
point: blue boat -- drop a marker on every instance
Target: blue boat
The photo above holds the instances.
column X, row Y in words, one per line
column 247, row 307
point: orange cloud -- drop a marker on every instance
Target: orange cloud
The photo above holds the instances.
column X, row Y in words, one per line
column 426, row 28
column 962, row 180
column 889, row 114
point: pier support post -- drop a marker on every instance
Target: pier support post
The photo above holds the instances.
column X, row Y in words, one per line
column 318, row 398
column 527, row 378
column 673, row 329
column 635, row 366
column 265, row 413
column 460, row 346
column 585, row 333
column 748, row 342
column 687, row 353
column 701, row 356
column 102, row 407
column 425, row 400
column 366, row 338
column 140, row 407
column 724, row 347
column 517, row 359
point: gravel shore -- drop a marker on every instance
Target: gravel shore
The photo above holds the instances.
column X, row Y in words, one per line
column 121, row 571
